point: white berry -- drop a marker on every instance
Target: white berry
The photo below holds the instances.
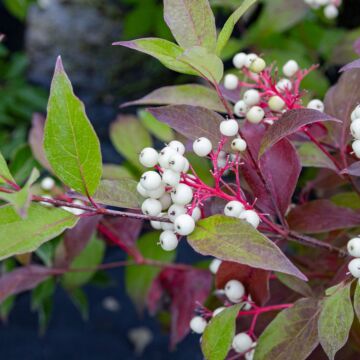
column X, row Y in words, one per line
column 354, row 267
column 164, row 156
column 284, row 84
column 198, row 324
column 240, row 108
column 186, row 166
column 170, row 177
column 168, row 240
column 47, row 183
column 255, row 115
column 276, row 103
column 356, row 113
column 157, row 193
column 165, row 201
column 151, row 207
column 258, row 65
column 167, row 226
column 242, row 343
column 251, row 217
column 251, row 97
column 140, row 189
column 239, row 60
column 177, row 162
column 196, row 213
column 184, row 224
column 316, row 104
column 157, row 224
column 355, row 129
column 250, row 58
column 176, row 210
column 218, row 311
column 356, row 147
column 202, row 146
column 238, row 144
column 148, row 157
column 233, row 208
column 353, row 247
column 290, row 68
column 177, row 146
column 229, row 127
column 231, row 82
column 331, row 11
column 150, row 180
column 234, row 291
column 182, row 194
column 214, row 266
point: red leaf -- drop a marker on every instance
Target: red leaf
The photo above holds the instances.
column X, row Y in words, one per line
column 353, row 65
column 256, row 281
column 320, row 216
column 291, row 122
column 22, row 279
column 185, row 289
column 353, row 169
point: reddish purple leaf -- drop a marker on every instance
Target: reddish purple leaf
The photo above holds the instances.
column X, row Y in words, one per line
column 191, row 121
column 186, row 289
column 320, row 216
column 256, row 281
column 353, row 65
column 353, row 169
column 22, row 279
column 357, row 46
column 75, row 240
column 291, row 122
column 36, row 137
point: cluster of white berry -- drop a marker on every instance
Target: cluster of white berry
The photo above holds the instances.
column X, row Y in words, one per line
column 330, row 7
column 355, row 130
column 237, row 209
column 353, row 247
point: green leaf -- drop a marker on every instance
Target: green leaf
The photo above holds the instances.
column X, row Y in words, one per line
column 80, row 300
column 19, row 236
column 71, row 145
column 189, row 94
column 120, row 193
column 89, row 258
column 295, row 284
column 311, row 156
column 155, row 127
column 228, row 28
column 192, row 23
column 4, row 171
column 129, row 138
column 235, row 240
column 18, row 8
column 21, row 199
column 335, row 321
column 219, row 333
column 207, row 65
column 163, row 50
column 293, row 331
column 138, row 279
column 115, row 172
column 347, row 199
column 357, row 300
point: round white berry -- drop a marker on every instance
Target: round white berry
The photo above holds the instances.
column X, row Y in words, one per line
column 157, row 193
column 240, row 108
column 331, row 11
column 165, row 201
column 148, row 157
column 177, row 162
column 251, row 97
column 356, row 148
column 150, row 180
column 238, row 144
column 184, row 224
column 290, row 68
column 176, row 210
column 316, row 104
column 141, row 190
column 198, row 324
column 75, row 211
column 234, row 291
column 168, row 240
column 186, row 166
column 151, row 207
column 255, row 115
column 284, row 84
column 214, row 266
column 202, row 146
column 242, row 343
column 196, row 213
column 239, row 60
column 177, row 146
column 231, row 82
column 157, row 224
column 250, row 58
column 355, row 129
column 353, row 247
column 251, row 217
column 167, row 226
column 170, row 177
column 182, row 194
column 276, row 103
column 251, row 353
column 229, row 127
column 354, row 267
column 218, row 310
column 258, row 65
column 164, row 156
column 233, row 208
column 47, row 183
column 356, row 113
column 322, row 2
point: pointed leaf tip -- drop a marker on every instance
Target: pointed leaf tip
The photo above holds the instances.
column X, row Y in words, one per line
column 59, row 67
